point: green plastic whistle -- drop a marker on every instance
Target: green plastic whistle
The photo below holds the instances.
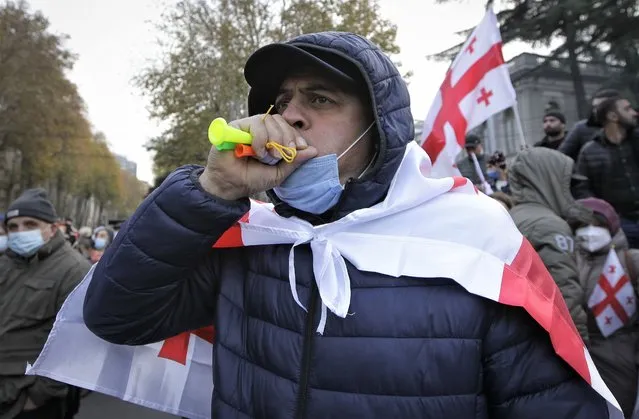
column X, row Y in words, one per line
column 225, row 137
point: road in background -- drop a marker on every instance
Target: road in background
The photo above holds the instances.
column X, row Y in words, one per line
column 100, row 406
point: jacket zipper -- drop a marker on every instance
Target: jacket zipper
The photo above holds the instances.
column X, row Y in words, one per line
column 309, row 330
column 305, row 371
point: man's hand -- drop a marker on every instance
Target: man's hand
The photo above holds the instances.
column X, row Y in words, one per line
column 29, row 405
column 230, row 178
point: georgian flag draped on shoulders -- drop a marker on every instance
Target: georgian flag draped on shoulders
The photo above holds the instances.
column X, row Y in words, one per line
column 477, row 86
column 396, row 237
column 173, row 376
column 613, row 301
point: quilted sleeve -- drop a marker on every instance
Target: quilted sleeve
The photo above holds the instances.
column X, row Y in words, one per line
column 575, row 140
column 525, row 379
column 158, row 278
column 583, row 186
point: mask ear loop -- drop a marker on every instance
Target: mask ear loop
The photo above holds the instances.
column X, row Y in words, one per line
column 356, row 141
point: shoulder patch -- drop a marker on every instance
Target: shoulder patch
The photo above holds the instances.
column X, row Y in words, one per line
column 565, row 243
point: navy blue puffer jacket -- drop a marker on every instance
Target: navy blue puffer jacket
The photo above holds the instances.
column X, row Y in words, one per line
column 414, row 347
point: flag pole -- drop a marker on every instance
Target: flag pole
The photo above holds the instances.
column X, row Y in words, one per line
column 490, row 125
column 487, row 189
column 520, row 128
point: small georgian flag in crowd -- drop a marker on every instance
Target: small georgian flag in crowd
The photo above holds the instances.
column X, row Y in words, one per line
column 613, row 301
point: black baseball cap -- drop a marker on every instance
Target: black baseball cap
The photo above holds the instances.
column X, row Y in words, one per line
column 472, row 141
column 266, row 69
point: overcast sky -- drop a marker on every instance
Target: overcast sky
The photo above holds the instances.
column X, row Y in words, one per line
column 116, row 39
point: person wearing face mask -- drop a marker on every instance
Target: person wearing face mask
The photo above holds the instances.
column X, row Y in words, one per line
column 101, row 238
column 609, row 164
column 37, row 273
column 616, row 355
column 544, row 212
column 3, row 236
column 497, row 172
column 406, row 346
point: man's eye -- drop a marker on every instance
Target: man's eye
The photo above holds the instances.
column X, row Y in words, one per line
column 281, row 107
column 321, row 100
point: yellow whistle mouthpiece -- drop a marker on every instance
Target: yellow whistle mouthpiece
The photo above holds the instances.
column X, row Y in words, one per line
column 225, row 137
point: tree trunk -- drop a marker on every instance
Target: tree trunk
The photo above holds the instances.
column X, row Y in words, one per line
column 99, row 220
column 60, row 195
column 631, row 71
column 11, row 180
column 573, row 59
column 79, row 211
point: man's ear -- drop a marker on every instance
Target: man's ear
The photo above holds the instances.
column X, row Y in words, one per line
column 612, row 116
column 51, row 230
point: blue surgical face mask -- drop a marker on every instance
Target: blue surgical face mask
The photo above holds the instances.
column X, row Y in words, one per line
column 493, row 174
column 314, row 186
column 99, row 243
column 26, row 243
column 3, row 243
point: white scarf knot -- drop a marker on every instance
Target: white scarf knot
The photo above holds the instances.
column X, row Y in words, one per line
column 331, row 276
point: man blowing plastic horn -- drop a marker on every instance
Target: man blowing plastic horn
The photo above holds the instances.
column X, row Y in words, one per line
column 360, row 293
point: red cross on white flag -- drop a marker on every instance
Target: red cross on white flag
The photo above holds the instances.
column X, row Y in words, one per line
column 477, row 86
column 613, row 300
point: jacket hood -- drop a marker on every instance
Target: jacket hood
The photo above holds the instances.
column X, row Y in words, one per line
column 390, row 103
column 542, row 176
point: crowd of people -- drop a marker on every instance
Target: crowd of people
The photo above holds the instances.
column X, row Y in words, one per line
column 408, row 346
column 575, row 196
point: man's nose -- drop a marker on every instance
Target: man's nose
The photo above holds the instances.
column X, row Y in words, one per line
column 294, row 116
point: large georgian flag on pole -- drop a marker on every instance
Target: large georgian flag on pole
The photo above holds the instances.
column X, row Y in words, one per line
column 613, row 301
column 491, row 260
column 477, row 86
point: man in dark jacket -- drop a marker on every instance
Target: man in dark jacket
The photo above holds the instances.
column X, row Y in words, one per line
column 466, row 164
column 585, row 130
column 610, row 164
column 3, row 236
column 544, row 212
column 555, row 130
column 37, row 273
column 412, row 349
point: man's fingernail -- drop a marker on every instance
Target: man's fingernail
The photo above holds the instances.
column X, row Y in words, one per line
column 301, row 142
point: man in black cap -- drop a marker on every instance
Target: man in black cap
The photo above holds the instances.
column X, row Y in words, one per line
column 466, row 165
column 555, row 130
column 37, row 273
